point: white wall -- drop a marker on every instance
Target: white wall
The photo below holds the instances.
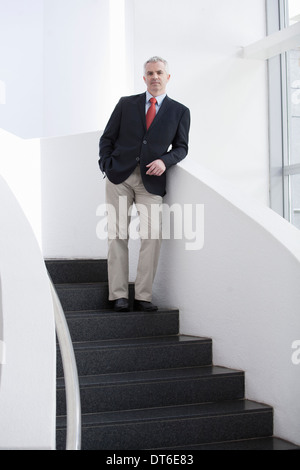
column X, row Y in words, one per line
column 59, row 186
column 72, row 189
column 56, row 66
column 21, row 66
column 227, row 95
column 241, row 289
column 76, row 66
column 20, row 166
column 64, row 64
column 78, row 81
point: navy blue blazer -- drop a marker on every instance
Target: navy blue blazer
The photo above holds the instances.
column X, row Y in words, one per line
column 125, row 142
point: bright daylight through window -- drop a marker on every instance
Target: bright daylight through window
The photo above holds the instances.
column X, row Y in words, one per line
column 292, row 157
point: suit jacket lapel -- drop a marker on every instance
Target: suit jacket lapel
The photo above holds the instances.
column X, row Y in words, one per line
column 141, row 106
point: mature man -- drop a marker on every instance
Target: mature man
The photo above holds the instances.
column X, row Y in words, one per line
column 145, row 135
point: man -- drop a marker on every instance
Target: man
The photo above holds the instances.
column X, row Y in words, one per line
column 145, row 135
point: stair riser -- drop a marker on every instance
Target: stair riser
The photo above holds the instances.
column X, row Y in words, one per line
column 111, row 360
column 76, row 271
column 122, row 326
column 87, row 297
column 92, row 297
column 172, row 433
column 158, row 394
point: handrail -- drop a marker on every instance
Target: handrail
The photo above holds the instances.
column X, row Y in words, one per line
column 70, row 374
column 292, row 169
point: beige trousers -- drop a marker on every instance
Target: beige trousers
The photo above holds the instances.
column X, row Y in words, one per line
column 120, row 199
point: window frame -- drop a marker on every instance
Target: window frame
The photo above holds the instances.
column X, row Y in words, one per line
column 277, row 113
column 281, row 171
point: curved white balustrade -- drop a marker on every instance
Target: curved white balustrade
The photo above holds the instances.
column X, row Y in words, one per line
column 28, row 376
column 241, row 288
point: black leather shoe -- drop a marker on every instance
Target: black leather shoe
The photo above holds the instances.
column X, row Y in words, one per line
column 121, row 305
column 143, row 306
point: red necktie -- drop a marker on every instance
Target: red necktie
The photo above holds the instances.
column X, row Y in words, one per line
column 151, row 112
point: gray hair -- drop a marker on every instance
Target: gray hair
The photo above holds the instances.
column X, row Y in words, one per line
column 157, row 59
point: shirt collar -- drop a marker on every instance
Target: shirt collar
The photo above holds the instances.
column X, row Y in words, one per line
column 159, row 98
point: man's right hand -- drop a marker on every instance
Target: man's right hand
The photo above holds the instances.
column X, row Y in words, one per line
column 156, row 168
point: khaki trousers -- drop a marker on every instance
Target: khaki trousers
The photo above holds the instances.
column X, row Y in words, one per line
column 120, row 199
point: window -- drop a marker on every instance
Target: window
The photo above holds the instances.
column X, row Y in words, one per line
column 284, row 110
column 293, row 10
column 292, row 163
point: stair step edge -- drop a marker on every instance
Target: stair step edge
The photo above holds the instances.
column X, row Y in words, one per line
column 262, row 443
column 150, row 376
column 172, row 413
column 74, row 314
column 171, row 340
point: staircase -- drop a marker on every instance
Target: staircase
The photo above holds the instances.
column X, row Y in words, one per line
column 144, row 386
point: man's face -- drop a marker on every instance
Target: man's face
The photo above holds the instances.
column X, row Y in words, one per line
column 156, row 78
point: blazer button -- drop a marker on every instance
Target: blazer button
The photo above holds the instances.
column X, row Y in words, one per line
column 145, row 142
column 137, row 159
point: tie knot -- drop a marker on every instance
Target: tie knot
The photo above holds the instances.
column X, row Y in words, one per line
column 153, row 100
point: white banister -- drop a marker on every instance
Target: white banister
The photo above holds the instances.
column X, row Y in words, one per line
column 27, row 333
column 70, row 375
column 241, row 288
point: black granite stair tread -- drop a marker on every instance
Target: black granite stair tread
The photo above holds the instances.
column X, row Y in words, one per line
column 111, row 313
column 140, row 342
column 263, row 443
column 80, row 285
column 202, row 410
column 153, row 376
column 74, row 261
